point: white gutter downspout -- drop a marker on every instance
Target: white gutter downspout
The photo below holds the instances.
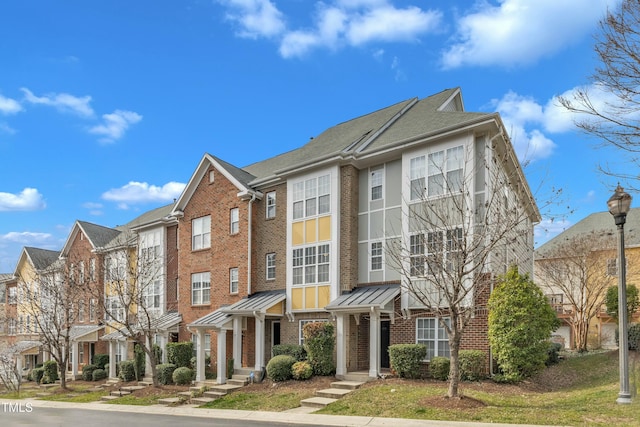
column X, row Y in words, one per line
column 249, row 229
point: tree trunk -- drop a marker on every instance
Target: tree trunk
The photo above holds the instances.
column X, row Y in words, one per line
column 454, row 367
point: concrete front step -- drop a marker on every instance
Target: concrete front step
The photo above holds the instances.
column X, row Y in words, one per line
column 228, row 388
column 132, row 387
column 355, row 376
column 186, row 394
column 145, row 383
column 214, row 394
column 119, row 393
column 108, row 398
column 317, row 402
column 348, row 385
column 332, row 393
column 201, row 400
column 170, row 400
column 238, row 381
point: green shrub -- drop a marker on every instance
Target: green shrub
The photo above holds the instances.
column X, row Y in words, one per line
column 634, row 336
column 100, row 360
column 157, row 351
column 127, row 370
column 230, row 368
column 301, row 370
column 553, row 353
column 279, row 367
column 37, row 374
column 87, row 372
column 50, row 375
column 472, row 365
column 295, row 350
column 406, row 359
column 319, row 343
column 180, row 353
column 139, row 362
column 165, row 373
column 182, row 375
column 439, row 368
column 99, row 374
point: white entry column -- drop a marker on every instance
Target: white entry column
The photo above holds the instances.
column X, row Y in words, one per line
column 341, row 344
column 374, row 343
column 112, row 358
column 222, row 356
column 259, row 325
column 200, row 355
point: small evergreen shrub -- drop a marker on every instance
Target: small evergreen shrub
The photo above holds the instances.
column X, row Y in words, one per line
column 472, row 365
column 301, row 370
column 297, row 351
column 165, row 373
column 157, row 351
column 37, row 374
column 139, row 361
column 180, row 353
column 87, row 372
column 406, row 359
column 98, row 374
column 50, row 375
column 634, row 336
column 100, row 360
column 439, row 368
column 553, row 353
column 319, row 343
column 182, row 375
column 230, row 368
column 279, row 367
column 127, row 370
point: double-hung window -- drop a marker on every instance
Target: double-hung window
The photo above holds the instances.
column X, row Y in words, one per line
column 271, row 204
column 377, row 178
column 431, row 334
column 115, row 309
column 436, row 174
column 200, row 288
column 376, row 256
column 201, row 233
column 311, row 264
column 312, row 197
column 271, row 266
column 234, row 221
column 233, row 280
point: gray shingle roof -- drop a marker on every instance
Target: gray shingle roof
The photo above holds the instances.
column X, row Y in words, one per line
column 362, row 299
column 242, row 176
column 98, row 235
column 41, row 258
column 258, row 302
column 149, row 217
column 598, row 223
column 79, row 331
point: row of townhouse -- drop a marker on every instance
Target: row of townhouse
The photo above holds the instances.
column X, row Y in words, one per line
column 250, row 255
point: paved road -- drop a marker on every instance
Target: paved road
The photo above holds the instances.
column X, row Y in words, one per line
column 58, row 414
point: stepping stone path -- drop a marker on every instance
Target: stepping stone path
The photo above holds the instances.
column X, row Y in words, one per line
column 329, row 395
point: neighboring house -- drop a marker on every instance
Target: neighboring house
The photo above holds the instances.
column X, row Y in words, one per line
column 7, row 311
column 304, row 236
column 598, row 234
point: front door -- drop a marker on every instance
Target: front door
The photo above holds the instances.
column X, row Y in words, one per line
column 385, row 338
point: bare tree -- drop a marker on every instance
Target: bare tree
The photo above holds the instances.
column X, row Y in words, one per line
column 10, row 376
column 134, row 276
column 610, row 110
column 465, row 225
column 580, row 270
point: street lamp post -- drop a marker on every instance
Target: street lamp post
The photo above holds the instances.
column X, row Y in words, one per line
column 619, row 205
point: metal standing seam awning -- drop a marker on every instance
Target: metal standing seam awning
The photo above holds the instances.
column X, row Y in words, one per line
column 82, row 332
column 166, row 321
column 258, row 303
column 362, row 300
column 214, row 320
column 22, row 346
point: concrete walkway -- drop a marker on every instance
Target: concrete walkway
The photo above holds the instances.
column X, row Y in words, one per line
column 283, row 417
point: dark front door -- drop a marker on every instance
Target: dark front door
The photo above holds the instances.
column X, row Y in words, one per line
column 385, row 337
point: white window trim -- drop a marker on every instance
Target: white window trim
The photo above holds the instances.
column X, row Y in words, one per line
column 373, row 173
column 437, row 339
column 270, row 266
column 316, row 264
column 303, row 322
column 270, row 205
column 200, row 276
column 233, row 282
column 204, row 235
column 380, row 255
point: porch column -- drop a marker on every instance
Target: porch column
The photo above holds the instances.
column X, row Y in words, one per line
column 74, row 360
column 148, row 373
column 200, row 355
column 259, row 326
column 222, row 356
column 237, row 342
column 19, row 358
column 341, row 344
column 112, row 358
column 374, row 343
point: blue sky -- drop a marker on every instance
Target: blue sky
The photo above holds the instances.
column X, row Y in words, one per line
column 106, row 107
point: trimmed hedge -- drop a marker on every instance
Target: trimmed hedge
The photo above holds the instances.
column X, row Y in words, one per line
column 127, row 370
column 50, row 372
column 279, row 367
column 100, row 360
column 301, row 370
column 439, row 368
column 472, row 365
column 37, row 374
column 87, row 372
column 165, row 373
column 297, row 351
column 180, row 353
column 406, row 359
column 319, row 343
column 182, row 375
column 99, row 374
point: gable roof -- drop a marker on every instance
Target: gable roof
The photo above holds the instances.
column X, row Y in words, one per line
column 155, row 216
column 97, row 235
column 599, row 223
column 40, row 259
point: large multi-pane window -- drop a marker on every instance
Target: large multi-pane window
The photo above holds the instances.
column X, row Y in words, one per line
column 436, row 174
column 271, row 266
column 233, row 280
column 271, row 204
column 312, row 197
column 377, row 178
column 234, row 221
column 13, row 295
column 416, row 253
column 430, row 333
column 12, row 328
column 200, row 288
column 435, row 251
column 201, row 233
column 81, row 311
column 311, row 264
column 115, row 309
column 376, row 256
column 92, row 310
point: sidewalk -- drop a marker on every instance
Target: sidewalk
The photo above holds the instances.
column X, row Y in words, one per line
column 283, row 417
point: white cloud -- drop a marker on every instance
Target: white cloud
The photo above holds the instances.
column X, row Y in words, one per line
column 115, row 125
column 520, row 32
column 27, row 200
column 548, row 229
column 142, row 192
column 256, row 18
column 26, row 237
column 9, row 106
column 63, row 102
column 95, row 209
column 5, row 128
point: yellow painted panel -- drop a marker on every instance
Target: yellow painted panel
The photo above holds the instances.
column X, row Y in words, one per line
column 296, row 299
column 277, row 308
column 310, row 297
column 324, row 296
column 324, row 228
column 310, row 229
column 297, row 233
